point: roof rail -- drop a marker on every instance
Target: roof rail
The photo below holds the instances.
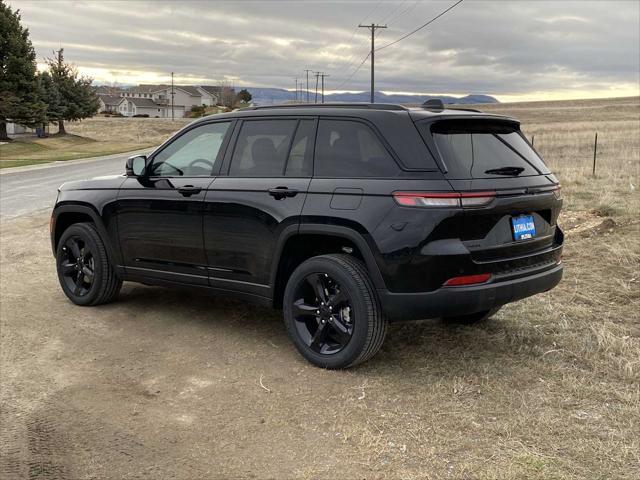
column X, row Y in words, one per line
column 370, row 106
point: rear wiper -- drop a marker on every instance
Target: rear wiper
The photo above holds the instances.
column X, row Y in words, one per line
column 505, row 171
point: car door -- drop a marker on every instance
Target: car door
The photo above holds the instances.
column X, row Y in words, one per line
column 160, row 214
column 260, row 196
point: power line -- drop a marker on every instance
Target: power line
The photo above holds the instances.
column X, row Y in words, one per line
column 395, row 19
column 352, row 58
column 393, row 11
column 421, row 27
column 354, row 72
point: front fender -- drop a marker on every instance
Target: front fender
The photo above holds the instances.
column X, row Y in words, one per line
column 68, row 212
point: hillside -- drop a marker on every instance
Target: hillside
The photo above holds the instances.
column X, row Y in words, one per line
column 269, row 96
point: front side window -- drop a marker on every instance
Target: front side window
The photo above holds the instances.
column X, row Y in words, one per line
column 193, row 154
column 347, row 148
column 262, row 148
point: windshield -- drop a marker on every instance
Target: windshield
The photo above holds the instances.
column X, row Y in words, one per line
column 483, row 149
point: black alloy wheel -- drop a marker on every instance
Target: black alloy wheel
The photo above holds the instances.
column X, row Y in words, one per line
column 323, row 314
column 78, row 266
column 84, row 271
column 332, row 312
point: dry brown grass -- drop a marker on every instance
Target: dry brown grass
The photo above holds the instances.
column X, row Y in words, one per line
column 152, row 131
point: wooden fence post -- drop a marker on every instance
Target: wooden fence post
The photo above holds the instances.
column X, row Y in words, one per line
column 533, row 140
column 595, row 153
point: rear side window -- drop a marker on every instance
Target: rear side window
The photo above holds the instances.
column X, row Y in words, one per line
column 346, row 148
column 483, row 149
column 262, row 147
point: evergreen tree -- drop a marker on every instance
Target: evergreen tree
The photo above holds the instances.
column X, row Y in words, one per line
column 51, row 96
column 244, row 95
column 78, row 99
column 19, row 99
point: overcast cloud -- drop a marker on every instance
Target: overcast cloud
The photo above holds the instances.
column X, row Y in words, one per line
column 510, row 49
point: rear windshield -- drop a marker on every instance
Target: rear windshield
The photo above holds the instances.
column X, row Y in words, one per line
column 483, row 149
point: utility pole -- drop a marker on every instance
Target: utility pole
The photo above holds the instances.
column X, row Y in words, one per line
column 296, row 89
column 373, row 27
column 317, row 74
column 173, row 93
column 307, row 72
column 322, row 75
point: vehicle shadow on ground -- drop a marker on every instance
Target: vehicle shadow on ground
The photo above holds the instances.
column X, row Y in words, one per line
column 409, row 345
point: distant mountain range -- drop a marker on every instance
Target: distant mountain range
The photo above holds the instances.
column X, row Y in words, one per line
column 270, row 96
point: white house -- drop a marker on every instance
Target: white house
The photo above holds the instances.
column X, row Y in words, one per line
column 210, row 95
column 157, row 100
column 132, row 106
column 109, row 103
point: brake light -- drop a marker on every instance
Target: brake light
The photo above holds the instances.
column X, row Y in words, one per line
column 446, row 199
column 468, row 280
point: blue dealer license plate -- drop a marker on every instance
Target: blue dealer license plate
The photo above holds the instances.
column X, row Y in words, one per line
column 523, row 227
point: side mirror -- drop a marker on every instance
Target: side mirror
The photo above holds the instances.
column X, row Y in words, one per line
column 136, row 166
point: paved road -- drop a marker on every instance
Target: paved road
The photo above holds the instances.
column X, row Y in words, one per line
column 23, row 191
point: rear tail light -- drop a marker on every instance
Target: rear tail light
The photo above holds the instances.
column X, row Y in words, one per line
column 468, row 280
column 557, row 192
column 448, row 199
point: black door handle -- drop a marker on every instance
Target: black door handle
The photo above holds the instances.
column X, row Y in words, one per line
column 282, row 192
column 189, row 190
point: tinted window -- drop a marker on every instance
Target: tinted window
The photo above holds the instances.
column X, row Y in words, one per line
column 193, row 154
column 300, row 163
column 472, row 149
column 262, row 147
column 351, row 149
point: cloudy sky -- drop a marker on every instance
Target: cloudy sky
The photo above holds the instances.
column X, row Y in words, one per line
column 514, row 50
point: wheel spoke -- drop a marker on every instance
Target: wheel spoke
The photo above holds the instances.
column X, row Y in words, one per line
column 87, row 272
column 302, row 309
column 74, row 248
column 318, row 340
column 340, row 330
column 316, row 281
column 68, row 268
column 79, row 283
column 338, row 299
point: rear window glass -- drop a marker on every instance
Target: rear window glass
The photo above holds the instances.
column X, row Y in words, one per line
column 483, row 149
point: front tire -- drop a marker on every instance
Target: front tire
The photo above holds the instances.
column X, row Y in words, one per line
column 332, row 313
column 84, row 271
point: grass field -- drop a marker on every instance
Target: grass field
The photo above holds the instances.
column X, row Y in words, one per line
column 92, row 137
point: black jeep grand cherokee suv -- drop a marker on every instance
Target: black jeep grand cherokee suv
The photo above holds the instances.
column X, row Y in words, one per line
column 346, row 216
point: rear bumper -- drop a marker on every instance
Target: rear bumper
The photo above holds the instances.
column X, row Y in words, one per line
column 449, row 301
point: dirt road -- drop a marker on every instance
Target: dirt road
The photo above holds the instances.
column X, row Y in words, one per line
column 167, row 384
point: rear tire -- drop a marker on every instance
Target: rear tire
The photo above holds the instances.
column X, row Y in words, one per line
column 84, row 271
column 472, row 318
column 332, row 313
